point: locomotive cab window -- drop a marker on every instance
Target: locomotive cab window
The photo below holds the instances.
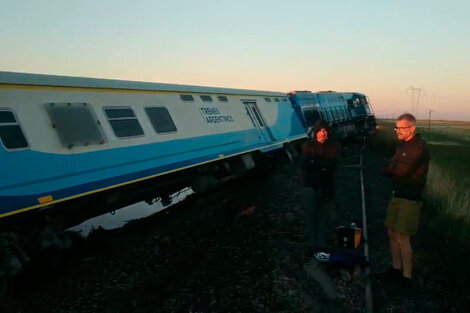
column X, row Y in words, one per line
column 161, row 119
column 11, row 134
column 124, row 122
column 75, row 124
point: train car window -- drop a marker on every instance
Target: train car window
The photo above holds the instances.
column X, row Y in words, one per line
column 222, row 98
column 161, row 119
column 119, row 113
column 124, row 122
column 11, row 134
column 276, row 99
column 186, row 97
column 7, row 117
column 75, row 123
column 206, row 98
column 267, row 99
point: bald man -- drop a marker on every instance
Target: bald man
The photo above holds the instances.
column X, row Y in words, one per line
column 408, row 169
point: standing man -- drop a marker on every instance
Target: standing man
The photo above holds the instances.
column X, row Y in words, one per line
column 408, row 168
column 318, row 165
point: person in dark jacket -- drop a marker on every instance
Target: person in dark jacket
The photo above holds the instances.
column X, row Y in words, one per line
column 408, row 168
column 318, row 162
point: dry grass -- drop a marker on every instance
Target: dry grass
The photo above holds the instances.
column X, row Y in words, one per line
column 453, row 199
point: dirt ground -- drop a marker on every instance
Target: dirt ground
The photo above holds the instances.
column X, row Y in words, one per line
column 241, row 248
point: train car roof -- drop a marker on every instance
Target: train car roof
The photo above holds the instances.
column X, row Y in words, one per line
column 344, row 93
column 327, row 92
column 101, row 83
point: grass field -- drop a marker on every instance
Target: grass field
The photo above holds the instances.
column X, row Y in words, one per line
column 459, row 131
column 448, row 186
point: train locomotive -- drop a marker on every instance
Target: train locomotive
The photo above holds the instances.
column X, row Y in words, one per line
column 73, row 148
column 348, row 113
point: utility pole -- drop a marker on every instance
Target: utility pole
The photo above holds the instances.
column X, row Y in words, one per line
column 429, row 121
column 415, row 95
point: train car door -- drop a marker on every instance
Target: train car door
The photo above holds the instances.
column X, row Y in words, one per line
column 255, row 115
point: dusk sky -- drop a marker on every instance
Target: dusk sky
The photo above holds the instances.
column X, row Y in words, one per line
column 379, row 48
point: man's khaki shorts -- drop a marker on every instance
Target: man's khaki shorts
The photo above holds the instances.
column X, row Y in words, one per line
column 403, row 215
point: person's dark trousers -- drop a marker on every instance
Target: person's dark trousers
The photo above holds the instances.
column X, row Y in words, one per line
column 317, row 214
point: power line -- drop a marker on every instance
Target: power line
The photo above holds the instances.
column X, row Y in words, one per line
column 447, row 98
column 415, row 96
column 429, row 120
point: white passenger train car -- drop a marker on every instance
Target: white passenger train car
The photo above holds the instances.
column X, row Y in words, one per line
column 64, row 138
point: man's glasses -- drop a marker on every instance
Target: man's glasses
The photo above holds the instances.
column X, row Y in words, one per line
column 402, row 128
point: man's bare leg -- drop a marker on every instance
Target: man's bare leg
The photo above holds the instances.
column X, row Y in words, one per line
column 406, row 254
column 395, row 249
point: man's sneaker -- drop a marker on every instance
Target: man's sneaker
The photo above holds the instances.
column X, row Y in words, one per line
column 390, row 274
column 322, row 257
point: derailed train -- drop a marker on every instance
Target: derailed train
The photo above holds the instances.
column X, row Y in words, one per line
column 349, row 113
column 72, row 148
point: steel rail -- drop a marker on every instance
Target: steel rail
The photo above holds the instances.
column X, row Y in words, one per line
column 368, row 289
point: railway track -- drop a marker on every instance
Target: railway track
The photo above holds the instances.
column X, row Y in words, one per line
column 238, row 249
column 242, row 223
column 369, row 307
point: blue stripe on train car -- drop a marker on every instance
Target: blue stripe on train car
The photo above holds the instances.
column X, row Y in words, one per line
column 47, row 174
column 18, row 202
